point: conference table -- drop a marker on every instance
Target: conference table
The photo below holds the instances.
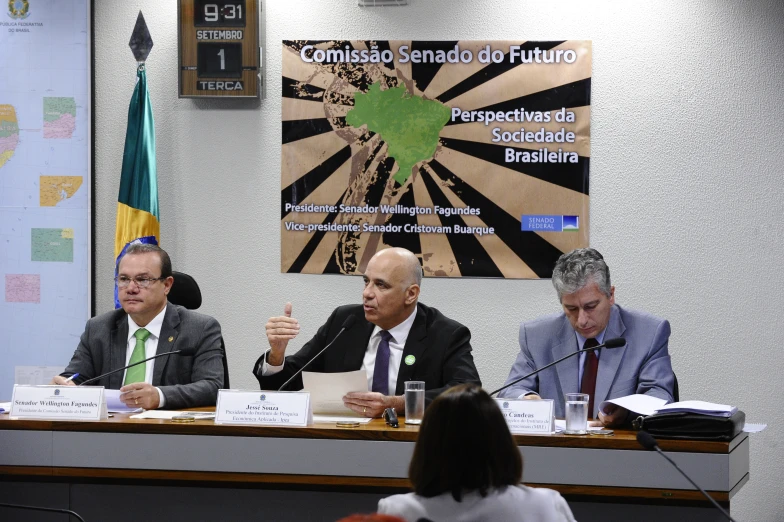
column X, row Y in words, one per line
column 149, row 469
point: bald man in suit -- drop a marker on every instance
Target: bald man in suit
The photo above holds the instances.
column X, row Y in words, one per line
column 394, row 339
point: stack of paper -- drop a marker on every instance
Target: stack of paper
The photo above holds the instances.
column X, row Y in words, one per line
column 637, row 403
column 704, row 408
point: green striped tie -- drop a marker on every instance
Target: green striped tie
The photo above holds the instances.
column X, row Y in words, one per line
column 137, row 373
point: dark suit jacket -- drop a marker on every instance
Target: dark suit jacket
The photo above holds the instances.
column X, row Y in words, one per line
column 185, row 381
column 441, row 346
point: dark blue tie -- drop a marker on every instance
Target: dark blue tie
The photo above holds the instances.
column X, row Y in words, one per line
column 381, row 368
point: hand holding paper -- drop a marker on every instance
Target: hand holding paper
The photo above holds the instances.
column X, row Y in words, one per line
column 328, row 389
column 367, row 404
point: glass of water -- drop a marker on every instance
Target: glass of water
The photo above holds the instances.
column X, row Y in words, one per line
column 576, row 414
column 415, row 401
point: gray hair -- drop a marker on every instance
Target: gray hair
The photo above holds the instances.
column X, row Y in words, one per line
column 146, row 248
column 412, row 266
column 578, row 268
column 416, row 270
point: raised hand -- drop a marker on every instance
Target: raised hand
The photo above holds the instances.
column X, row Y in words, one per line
column 280, row 330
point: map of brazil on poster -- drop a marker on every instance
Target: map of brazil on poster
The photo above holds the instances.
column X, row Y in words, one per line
column 474, row 155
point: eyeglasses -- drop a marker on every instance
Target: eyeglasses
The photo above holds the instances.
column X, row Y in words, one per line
column 141, row 282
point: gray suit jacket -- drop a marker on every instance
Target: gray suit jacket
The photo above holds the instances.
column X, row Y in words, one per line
column 186, row 381
column 642, row 366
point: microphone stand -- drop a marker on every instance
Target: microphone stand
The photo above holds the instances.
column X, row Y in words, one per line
column 603, row 345
column 130, row 366
column 348, row 323
column 650, row 443
column 35, row 508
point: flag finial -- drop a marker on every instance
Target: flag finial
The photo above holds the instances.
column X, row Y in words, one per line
column 141, row 41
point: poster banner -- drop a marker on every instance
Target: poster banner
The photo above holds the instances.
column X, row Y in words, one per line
column 474, row 155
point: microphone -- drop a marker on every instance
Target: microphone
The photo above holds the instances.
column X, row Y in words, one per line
column 348, row 323
column 647, row 441
column 36, row 508
column 615, row 342
column 183, row 351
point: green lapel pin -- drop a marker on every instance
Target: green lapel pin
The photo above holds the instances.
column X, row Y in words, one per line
column 410, row 359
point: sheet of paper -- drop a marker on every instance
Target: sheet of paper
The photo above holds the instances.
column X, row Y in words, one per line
column 337, row 418
column 327, row 390
column 5, row 407
column 750, row 427
column 707, row 408
column 168, row 414
column 36, row 375
column 115, row 405
column 560, row 425
column 637, row 403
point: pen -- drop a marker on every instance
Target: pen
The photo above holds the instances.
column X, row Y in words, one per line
column 72, row 377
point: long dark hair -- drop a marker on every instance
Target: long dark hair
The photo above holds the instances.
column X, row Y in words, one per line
column 464, row 444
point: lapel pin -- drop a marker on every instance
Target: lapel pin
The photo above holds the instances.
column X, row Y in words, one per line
column 410, row 359
column 171, row 338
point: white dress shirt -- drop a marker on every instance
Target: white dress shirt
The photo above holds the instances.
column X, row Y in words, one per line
column 150, row 347
column 399, row 336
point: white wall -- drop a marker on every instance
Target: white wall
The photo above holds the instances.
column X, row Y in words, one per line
column 687, row 132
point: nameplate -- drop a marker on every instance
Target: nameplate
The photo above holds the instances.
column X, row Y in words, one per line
column 528, row 416
column 263, row 408
column 54, row 402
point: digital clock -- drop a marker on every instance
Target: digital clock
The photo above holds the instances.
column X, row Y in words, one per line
column 219, row 48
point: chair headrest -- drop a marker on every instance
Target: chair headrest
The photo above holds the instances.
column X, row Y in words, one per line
column 185, row 291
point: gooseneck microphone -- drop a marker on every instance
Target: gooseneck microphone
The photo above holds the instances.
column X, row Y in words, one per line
column 50, row 510
column 647, row 441
column 348, row 323
column 615, row 342
column 184, row 352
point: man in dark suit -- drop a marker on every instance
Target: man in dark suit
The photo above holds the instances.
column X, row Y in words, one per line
column 395, row 339
column 145, row 326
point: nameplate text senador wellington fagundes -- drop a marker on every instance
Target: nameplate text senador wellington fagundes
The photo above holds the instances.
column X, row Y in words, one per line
column 58, row 402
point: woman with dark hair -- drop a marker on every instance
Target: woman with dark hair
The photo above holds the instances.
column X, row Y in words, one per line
column 467, row 467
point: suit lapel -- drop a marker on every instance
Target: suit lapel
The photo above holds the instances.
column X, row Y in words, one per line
column 356, row 342
column 415, row 346
column 610, row 360
column 170, row 331
column 118, row 350
column 568, row 373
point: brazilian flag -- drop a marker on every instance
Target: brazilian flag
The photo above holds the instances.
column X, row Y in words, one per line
column 138, row 218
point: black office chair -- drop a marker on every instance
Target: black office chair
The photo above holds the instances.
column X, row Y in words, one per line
column 676, row 394
column 185, row 292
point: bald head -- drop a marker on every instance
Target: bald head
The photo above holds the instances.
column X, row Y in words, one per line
column 405, row 262
column 392, row 280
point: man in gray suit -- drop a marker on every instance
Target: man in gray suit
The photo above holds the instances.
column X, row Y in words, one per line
column 590, row 315
column 145, row 326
